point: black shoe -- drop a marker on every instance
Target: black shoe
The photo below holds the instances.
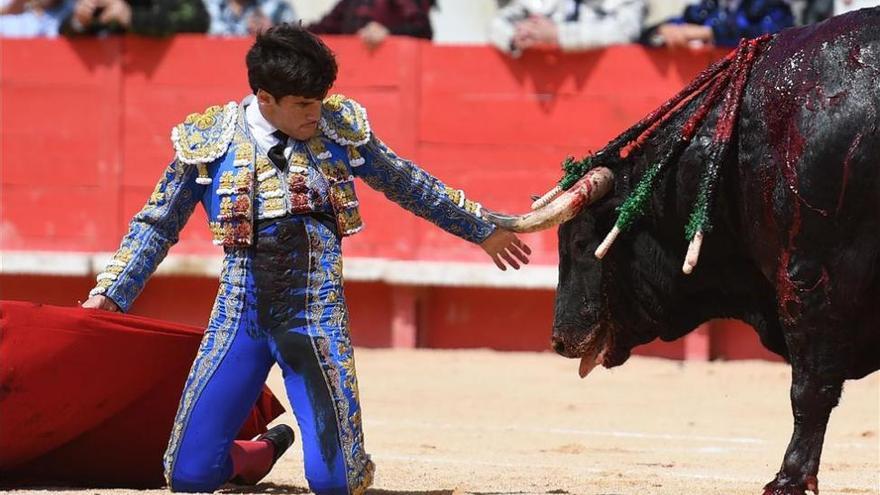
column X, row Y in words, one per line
column 281, row 437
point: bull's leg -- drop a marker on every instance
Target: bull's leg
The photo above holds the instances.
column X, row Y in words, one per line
column 812, row 399
column 816, row 385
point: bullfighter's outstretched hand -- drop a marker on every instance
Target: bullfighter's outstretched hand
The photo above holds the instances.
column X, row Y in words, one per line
column 100, row 302
column 504, row 246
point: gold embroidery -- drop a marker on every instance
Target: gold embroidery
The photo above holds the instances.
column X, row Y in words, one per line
column 455, row 195
column 114, row 269
column 273, row 204
column 115, row 266
column 216, row 231
column 226, row 206
column 124, row 255
column 270, row 185
column 354, row 157
column 244, row 150
column 473, row 207
column 233, row 226
column 204, row 120
column 157, row 195
column 339, row 368
column 335, row 170
column 203, row 177
column 202, row 138
column 227, row 179
column 349, row 221
column 211, row 351
column 318, row 149
column 243, row 181
column 263, row 165
column 344, row 121
column 299, row 159
column 342, row 195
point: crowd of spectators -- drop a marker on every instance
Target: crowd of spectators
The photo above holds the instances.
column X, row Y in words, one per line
column 518, row 26
column 245, row 17
column 372, row 20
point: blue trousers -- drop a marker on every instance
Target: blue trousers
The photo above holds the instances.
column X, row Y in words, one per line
column 279, row 302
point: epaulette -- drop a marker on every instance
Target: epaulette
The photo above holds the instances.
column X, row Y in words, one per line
column 345, row 121
column 204, row 137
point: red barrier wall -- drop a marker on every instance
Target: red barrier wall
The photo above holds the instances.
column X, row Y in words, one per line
column 85, row 133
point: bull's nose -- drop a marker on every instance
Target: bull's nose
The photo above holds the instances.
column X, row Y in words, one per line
column 558, row 345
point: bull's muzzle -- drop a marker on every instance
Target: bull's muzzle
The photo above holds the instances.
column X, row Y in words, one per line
column 564, row 205
column 558, row 345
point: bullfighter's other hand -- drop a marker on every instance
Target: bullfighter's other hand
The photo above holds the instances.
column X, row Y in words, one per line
column 117, row 11
column 504, row 246
column 101, row 302
column 84, row 11
column 693, row 36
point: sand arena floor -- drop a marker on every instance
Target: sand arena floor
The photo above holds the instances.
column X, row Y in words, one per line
column 482, row 422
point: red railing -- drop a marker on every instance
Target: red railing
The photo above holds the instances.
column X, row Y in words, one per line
column 85, row 133
column 85, row 127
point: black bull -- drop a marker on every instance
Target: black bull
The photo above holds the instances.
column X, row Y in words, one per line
column 794, row 248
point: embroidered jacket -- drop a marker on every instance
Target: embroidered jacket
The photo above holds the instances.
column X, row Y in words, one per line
column 217, row 164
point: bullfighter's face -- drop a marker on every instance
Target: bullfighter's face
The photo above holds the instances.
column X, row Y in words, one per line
column 296, row 116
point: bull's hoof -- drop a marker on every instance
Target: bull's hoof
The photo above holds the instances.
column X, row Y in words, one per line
column 772, row 489
column 783, row 485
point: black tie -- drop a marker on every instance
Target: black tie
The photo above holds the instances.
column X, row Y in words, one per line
column 276, row 153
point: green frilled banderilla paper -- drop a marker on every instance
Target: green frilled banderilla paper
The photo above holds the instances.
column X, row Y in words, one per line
column 631, row 209
column 574, row 170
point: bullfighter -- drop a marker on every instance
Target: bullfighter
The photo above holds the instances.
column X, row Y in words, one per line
column 275, row 174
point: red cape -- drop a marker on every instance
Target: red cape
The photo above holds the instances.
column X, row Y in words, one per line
column 88, row 397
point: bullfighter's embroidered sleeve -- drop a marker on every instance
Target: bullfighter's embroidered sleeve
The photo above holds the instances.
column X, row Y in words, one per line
column 406, row 184
column 201, row 139
column 345, row 121
column 151, row 233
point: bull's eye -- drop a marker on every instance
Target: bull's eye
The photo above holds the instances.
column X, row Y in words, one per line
column 581, row 244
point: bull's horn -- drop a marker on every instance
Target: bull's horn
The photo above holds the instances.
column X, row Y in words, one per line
column 590, row 188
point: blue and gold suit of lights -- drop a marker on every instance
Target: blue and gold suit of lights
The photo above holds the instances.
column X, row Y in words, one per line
column 281, row 294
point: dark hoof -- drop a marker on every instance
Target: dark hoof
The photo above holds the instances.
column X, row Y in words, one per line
column 785, row 486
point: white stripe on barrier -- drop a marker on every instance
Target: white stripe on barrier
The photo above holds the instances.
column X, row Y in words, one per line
column 396, row 272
